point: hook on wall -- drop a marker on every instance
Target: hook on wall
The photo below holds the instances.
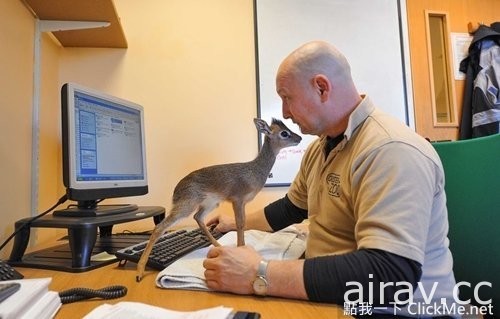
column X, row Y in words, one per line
column 473, row 26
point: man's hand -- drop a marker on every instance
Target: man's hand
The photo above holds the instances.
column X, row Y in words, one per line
column 231, row 269
column 224, row 222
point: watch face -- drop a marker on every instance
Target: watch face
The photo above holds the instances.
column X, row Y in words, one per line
column 260, row 286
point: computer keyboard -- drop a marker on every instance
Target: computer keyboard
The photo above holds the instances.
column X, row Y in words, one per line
column 168, row 248
column 8, row 273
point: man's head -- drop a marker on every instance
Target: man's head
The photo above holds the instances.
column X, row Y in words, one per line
column 316, row 87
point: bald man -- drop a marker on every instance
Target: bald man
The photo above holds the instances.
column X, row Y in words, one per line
column 373, row 193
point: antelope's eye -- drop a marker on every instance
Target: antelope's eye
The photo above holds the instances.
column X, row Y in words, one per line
column 284, row 134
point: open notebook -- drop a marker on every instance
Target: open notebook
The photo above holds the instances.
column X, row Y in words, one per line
column 188, row 271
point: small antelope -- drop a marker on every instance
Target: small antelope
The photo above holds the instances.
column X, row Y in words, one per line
column 238, row 183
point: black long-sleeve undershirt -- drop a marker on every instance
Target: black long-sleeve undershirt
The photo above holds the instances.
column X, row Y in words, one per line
column 326, row 277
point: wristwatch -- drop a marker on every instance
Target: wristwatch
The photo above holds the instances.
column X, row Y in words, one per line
column 260, row 283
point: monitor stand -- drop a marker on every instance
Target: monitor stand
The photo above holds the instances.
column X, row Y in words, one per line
column 91, row 209
column 76, row 256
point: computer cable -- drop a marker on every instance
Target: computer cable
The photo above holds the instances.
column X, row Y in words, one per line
column 77, row 294
column 61, row 200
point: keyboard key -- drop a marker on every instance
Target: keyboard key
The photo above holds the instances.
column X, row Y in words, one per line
column 7, row 272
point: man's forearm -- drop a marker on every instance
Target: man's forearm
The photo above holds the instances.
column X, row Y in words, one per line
column 257, row 220
column 285, row 279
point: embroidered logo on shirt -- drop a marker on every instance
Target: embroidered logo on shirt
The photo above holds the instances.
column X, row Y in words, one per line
column 333, row 181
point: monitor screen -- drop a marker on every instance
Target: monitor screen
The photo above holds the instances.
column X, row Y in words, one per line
column 103, row 146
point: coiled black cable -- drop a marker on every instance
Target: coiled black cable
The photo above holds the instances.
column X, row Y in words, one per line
column 77, row 294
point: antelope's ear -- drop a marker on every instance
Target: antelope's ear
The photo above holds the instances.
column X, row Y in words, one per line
column 262, row 126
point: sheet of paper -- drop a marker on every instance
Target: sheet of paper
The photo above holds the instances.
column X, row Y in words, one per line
column 460, row 43
column 137, row 310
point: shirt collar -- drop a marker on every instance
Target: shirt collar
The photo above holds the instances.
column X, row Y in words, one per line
column 357, row 117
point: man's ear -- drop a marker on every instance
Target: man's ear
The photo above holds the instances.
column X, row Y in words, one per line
column 322, row 86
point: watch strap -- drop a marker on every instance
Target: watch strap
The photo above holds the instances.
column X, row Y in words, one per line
column 262, row 270
column 260, row 283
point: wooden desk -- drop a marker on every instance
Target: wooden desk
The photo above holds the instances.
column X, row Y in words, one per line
column 180, row 300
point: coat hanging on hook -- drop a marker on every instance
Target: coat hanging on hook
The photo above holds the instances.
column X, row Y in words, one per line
column 481, row 103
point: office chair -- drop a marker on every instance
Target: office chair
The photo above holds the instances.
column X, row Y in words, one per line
column 472, row 185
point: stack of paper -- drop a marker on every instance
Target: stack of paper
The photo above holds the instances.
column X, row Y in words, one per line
column 32, row 300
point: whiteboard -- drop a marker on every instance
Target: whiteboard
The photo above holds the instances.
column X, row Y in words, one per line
column 372, row 35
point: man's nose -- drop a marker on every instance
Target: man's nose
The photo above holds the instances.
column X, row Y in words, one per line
column 285, row 111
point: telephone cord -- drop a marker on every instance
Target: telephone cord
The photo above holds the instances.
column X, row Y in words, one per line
column 77, row 294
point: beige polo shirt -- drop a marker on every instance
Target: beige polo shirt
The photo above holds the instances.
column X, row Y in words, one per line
column 381, row 187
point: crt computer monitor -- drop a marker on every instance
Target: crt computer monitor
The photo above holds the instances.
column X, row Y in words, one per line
column 103, row 151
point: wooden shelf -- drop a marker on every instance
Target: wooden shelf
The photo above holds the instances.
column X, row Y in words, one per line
column 82, row 10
